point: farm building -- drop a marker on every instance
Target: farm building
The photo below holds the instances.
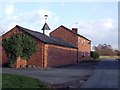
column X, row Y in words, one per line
column 62, row 47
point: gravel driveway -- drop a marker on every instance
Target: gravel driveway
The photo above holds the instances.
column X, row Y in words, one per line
column 57, row 76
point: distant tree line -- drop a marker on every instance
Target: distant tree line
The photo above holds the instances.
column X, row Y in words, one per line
column 106, row 50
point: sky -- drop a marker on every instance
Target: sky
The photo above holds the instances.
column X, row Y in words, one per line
column 97, row 21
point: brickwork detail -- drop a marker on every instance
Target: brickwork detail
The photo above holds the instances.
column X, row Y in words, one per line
column 60, row 56
column 66, row 35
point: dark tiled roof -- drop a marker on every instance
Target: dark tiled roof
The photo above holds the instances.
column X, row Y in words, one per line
column 74, row 32
column 46, row 39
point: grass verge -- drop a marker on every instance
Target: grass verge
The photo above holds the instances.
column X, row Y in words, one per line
column 112, row 57
column 17, row 81
column 92, row 61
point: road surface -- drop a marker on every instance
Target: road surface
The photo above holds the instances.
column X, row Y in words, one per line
column 105, row 75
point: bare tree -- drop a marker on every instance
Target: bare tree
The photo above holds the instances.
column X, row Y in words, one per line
column 105, row 50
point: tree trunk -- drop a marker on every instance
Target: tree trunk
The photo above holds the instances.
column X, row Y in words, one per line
column 20, row 63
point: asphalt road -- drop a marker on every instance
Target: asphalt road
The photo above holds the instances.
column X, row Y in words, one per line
column 105, row 75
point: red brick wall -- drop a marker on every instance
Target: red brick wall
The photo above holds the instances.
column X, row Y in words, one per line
column 59, row 56
column 83, row 46
column 0, row 49
column 61, row 32
column 11, row 32
column 74, row 39
column 36, row 58
column 4, row 58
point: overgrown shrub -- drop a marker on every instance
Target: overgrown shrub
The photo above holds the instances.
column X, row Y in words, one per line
column 19, row 45
column 94, row 55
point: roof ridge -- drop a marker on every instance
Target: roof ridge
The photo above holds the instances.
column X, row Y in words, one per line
column 74, row 32
column 46, row 39
column 28, row 29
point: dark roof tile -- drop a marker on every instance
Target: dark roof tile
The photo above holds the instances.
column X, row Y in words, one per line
column 46, row 39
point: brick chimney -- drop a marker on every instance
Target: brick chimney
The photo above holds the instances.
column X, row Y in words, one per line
column 74, row 30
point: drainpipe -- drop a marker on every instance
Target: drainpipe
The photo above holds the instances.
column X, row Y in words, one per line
column 43, row 55
column 90, row 50
column 77, row 55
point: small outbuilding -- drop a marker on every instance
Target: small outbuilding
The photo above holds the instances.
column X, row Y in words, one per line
column 51, row 50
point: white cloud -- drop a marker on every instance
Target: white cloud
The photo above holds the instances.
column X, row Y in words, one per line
column 94, row 10
column 56, row 19
column 13, row 18
column 99, row 28
column 62, row 3
column 100, row 31
column 9, row 10
column 2, row 30
column 44, row 12
column 33, row 20
column 108, row 23
column 13, row 24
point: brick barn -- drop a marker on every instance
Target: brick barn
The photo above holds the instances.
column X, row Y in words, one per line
column 62, row 47
column 82, row 43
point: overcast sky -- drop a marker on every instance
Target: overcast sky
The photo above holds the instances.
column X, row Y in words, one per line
column 97, row 21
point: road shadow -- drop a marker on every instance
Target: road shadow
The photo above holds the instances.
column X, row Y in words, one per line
column 80, row 65
column 102, row 65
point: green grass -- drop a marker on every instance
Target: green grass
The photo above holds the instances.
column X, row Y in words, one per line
column 112, row 57
column 0, row 81
column 92, row 61
column 17, row 81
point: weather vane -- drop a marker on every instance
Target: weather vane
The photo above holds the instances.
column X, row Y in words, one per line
column 45, row 27
column 46, row 16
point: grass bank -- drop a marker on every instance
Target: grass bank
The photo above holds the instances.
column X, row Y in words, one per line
column 17, row 81
column 112, row 57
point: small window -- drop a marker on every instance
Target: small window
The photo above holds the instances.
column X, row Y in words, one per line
column 83, row 53
column 83, row 42
column 88, row 54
